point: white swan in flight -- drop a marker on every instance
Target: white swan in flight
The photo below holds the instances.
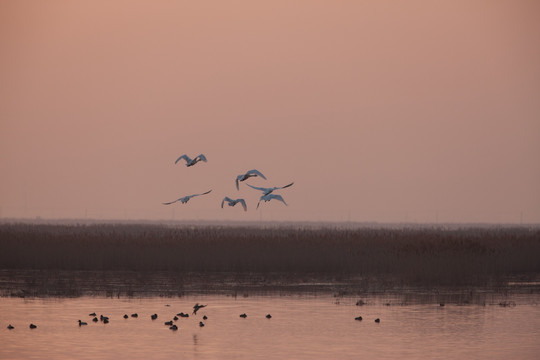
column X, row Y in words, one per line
column 267, row 191
column 233, row 202
column 269, row 197
column 191, row 162
column 247, row 175
column 185, row 199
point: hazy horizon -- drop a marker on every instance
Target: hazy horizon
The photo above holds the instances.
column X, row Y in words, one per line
column 378, row 111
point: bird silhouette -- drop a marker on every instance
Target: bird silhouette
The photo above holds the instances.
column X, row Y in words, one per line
column 196, row 308
column 267, row 191
column 247, row 175
column 190, row 161
column 269, row 197
column 233, row 202
column 185, row 199
column 81, row 323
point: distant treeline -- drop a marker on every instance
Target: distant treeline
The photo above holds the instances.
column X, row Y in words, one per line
column 413, row 256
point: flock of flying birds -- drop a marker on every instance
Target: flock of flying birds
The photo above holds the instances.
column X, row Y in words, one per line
column 267, row 193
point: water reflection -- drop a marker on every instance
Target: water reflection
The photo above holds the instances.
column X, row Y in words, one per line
column 301, row 327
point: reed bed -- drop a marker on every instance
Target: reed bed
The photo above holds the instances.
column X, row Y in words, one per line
column 413, row 256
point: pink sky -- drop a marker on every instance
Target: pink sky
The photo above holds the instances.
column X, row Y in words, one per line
column 388, row 111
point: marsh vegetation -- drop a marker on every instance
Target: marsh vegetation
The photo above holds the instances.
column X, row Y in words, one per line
column 426, row 257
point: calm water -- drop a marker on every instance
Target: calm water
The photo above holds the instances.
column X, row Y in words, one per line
column 301, row 327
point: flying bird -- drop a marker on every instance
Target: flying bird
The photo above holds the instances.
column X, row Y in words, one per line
column 233, row 202
column 196, row 308
column 191, row 162
column 267, row 191
column 247, row 175
column 185, row 199
column 269, row 197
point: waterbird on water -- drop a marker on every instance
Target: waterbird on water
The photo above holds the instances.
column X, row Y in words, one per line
column 135, row 315
column 196, row 308
column 10, row 327
column 233, row 202
column 95, row 319
column 247, row 175
column 81, row 323
column 269, row 197
column 268, row 316
column 174, row 327
column 359, row 318
column 267, row 191
column 125, row 316
column 243, row 315
column 92, row 314
column 185, row 199
column 190, row 161
column 154, row 316
column 32, row 326
column 377, row 320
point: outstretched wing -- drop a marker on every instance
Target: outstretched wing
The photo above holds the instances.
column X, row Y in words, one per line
column 171, row 202
column 277, row 197
column 185, row 157
column 204, row 193
column 238, row 179
column 259, row 188
column 201, row 157
column 286, row 186
column 256, row 172
column 226, row 198
column 243, row 202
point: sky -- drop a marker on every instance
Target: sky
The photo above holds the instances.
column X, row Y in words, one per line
column 386, row 111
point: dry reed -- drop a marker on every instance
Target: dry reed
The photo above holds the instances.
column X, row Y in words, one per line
column 425, row 256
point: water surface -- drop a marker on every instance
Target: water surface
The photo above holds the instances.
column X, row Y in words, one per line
column 301, row 327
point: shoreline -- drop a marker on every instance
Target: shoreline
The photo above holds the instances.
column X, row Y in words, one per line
column 129, row 259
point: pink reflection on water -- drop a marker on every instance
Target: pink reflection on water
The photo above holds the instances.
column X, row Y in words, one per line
column 301, row 327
